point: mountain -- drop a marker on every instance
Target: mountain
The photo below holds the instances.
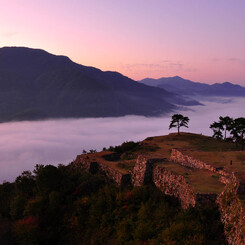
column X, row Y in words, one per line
column 186, row 87
column 35, row 84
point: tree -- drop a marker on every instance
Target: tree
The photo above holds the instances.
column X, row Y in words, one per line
column 226, row 123
column 178, row 121
column 217, row 127
column 25, row 183
column 238, row 130
column 48, row 179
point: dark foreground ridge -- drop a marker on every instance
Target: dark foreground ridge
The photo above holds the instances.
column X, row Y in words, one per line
column 174, row 189
column 37, row 85
column 193, row 168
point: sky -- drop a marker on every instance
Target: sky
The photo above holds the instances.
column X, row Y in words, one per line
column 201, row 40
column 25, row 144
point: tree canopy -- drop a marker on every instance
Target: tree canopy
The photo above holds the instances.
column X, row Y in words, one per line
column 236, row 128
column 238, row 131
column 179, row 121
column 81, row 208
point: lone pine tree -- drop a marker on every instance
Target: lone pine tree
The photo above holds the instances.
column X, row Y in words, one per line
column 178, row 121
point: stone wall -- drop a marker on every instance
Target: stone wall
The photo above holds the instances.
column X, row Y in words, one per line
column 84, row 163
column 119, row 178
column 174, row 185
column 224, row 179
column 147, row 172
column 189, row 161
column 143, row 169
column 232, row 213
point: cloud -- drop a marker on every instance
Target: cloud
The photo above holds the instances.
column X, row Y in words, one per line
column 237, row 60
column 160, row 66
column 24, row 144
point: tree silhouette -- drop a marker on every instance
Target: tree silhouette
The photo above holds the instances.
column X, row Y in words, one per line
column 178, row 121
column 217, row 127
column 226, row 123
column 238, row 130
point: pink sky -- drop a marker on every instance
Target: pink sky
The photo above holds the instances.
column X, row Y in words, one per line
column 200, row 40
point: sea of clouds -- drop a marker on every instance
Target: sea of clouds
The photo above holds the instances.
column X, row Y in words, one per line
column 24, row 144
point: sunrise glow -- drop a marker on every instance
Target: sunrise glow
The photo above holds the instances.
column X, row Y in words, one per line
column 198, row 40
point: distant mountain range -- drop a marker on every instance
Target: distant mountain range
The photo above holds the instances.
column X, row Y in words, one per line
column 186, row 87
column 37, row 85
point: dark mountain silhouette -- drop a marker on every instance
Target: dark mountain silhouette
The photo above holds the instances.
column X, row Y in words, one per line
column 186, row 87
column 36, row 85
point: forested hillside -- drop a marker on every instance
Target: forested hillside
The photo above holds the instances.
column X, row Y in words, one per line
column 61, row 205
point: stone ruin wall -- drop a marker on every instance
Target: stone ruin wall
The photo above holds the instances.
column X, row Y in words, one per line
column 119, row 178
column 174, row 185
column 141, row 172
column 232, row 213
column 145, row 172
column 188, row 161
column 231, row 210
column 83, row 163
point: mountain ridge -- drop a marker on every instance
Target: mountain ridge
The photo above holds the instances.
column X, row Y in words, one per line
column 35, row 84
column 187, row 87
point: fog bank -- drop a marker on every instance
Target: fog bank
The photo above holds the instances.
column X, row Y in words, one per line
column 24, row 144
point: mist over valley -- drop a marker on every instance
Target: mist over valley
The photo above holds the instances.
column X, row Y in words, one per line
column 24, row 144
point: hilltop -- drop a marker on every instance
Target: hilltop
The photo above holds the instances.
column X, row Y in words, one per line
column 35, row 84
column 217, row 153
column 196, row 169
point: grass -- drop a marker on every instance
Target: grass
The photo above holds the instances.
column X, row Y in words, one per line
column 218, row 153
column 126, row 165
column 204, row 143
column 195, row 141
column 215, row 152
column 202, row 181
column 130, row 150
column 212, row 151
column 99, row 157
column 241, row 158
column 223, row 159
